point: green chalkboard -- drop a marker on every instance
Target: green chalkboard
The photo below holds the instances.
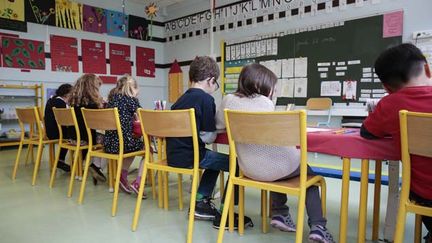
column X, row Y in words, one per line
column 360, row 39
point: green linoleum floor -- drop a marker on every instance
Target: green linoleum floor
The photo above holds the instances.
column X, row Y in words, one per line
column 39, row 214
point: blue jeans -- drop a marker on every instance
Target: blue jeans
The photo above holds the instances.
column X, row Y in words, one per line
column 213, row 163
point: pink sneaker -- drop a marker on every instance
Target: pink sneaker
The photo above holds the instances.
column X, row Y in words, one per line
column 135, row 188
column 124, row 185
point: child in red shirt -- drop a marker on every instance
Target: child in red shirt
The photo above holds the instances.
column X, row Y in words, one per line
column 405, row 74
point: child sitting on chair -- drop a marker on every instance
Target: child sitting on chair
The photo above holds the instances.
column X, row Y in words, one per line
column 405, row 74
column 124, row 97
column 270, row 163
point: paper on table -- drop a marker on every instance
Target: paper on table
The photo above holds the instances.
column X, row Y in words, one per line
column 300, row 67
column 288, row 68
column 300, row 87
column 331, row 88
column 287, row 88
column 316, row 129
column 349, row 90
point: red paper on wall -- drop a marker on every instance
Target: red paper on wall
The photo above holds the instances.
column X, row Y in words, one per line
column 108, row 79
column 4, row 35
column 119, row 59
column 93, row 56
column 145, row 62
column 22, row 53
column 64, row 54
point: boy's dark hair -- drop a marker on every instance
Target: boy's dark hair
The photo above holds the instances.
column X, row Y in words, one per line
column 63, row 90
column 256, row 79
column 202, row 68
column 397, row 65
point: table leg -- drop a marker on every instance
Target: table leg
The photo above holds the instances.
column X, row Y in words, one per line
column 392, row 200
column 377, row 199
column 344, row 201
column 363, row 201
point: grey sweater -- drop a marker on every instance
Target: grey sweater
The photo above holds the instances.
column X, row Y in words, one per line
column 259, row 162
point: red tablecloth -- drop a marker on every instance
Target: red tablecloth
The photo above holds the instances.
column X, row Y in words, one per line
column 350, row 145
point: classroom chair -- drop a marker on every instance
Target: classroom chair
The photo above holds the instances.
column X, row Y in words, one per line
column 31, row 116
column 65, row 117
column 286, row 128
column 104, row 120
column 416, row 139
column 162, row 124
column 320, row 104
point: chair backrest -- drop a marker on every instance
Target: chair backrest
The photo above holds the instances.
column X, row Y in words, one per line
column 418, row 129
column 319, row 104
column 66, row 117
column 265, row 128
column 168, row 123
column 30, row 116
column 101, row 119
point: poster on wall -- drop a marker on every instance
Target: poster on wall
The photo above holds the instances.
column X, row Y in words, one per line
column 40, row 11
column 69, row 14
column 117, row 23
column 145, row 62
column 22, row 53
column 137, row 27
column 4, row 35
column 12, row 15
column 64, row 54
column 108, row 79
column 120, row 62
column 93, row 56
column 94, row 19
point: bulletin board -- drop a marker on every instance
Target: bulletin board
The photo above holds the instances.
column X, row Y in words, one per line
column 323, row 61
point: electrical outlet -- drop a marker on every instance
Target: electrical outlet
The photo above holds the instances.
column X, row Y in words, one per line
column 422, row 34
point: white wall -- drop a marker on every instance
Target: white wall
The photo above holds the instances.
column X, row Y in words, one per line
column 417, row 16
column 150, row 88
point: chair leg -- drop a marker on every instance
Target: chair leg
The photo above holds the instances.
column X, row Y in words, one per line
column 80, row 167
column 38, row 161
column 363, row 201
column 241, row 208
column 139, row 198
column 160, row 189
column 192, row 207
column 418, row 229
column 153, row 183
column 116, row 185
column 165, row 183
column 377, row 200
column 73, row 172
column 300, row 216
column 180, row 190
column 400, row 223
column 51, row 154
column 264, row 200
column 111, row 175
column 222, row 183
column 54, row 167
column 15, row 169
column 29, row 154
column 225, row 211
column 84, row 179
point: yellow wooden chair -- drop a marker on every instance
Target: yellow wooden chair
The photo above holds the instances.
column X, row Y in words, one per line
column 279, row 129
column 320, row 104
column 162, row 124
column 416, row 139
column 30, row 116
column 65, row 117
column 104, row 119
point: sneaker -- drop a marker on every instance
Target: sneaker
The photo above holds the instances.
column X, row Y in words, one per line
column 96, row 173
column 283, row 223
column 63, row 166
column 247, row 222
column 428, row 238
column 124, row 185
column 134, row 186
column 205, row 209
column 320, row 234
